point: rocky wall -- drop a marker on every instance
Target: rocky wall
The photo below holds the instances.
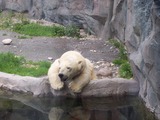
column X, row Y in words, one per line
column 136, row 23
column 88, row 14
column 144, row 48
column 138, row 28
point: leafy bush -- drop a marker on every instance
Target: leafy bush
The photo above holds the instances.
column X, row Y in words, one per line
column 6, row 21
column 58, row 31
column 18, row 65
column 125, row 68
column 119, row 61
column 121, row 47
column 72, row 31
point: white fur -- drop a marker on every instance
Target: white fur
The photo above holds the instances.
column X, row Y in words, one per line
column 80, row 75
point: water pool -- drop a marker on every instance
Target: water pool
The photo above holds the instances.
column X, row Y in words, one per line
column 113, row 108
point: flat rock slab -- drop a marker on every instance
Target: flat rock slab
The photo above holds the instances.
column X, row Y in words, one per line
column 40, row 86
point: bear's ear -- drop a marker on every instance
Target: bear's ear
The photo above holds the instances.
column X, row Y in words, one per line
column 80, row 65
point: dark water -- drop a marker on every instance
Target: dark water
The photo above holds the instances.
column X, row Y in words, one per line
column 25, row 108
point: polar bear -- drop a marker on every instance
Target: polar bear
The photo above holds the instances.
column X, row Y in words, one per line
column 72, row 67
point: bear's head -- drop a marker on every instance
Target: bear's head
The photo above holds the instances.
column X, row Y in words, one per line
column 71, row 65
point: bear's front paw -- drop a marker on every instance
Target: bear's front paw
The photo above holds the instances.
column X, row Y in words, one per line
column 58, row 86
column 74, row 87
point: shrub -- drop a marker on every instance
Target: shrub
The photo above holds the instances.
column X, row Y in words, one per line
column 119, row 61
column 72, row 31
column 58, row 31
column 125, row 68
column 6, row 23
column 121, row 47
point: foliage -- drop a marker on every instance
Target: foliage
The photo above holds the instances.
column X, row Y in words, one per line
column 18, row 65
column 6, row 21
column 119, row 61
column 121, row 47
column 72, row 31
column 58, row 31
column 125, row 68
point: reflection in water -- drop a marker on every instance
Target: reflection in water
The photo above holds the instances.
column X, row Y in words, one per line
column 74, row 109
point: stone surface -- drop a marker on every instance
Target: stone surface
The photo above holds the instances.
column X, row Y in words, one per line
column 7, row 41
column 104, row 72
column 35, row 86
column 17, row 5
column 50, row 58
column 106, row 69
column 111, row 87
column 40, row 86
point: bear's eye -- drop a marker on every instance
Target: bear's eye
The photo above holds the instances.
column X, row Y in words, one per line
column 69, row 68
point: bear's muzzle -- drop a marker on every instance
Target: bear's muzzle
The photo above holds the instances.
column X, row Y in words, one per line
column 62, row 77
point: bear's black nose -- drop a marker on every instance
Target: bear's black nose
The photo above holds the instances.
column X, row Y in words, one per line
column 60, row 75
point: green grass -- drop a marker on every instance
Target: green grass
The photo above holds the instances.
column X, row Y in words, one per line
column 122, row 61
column 34, row 29
column 10, row 63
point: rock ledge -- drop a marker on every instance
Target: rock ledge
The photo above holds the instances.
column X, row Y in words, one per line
column 96, row 88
